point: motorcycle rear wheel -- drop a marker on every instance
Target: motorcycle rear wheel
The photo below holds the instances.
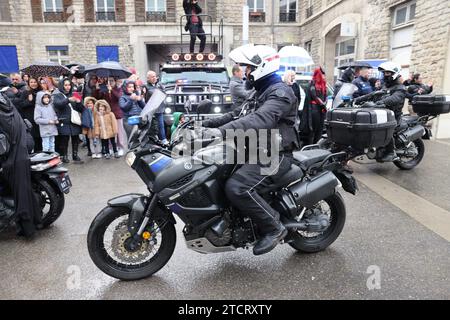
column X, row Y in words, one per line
column 107, row 261
column 51, row 202
column 328, row 237
column 409, row 165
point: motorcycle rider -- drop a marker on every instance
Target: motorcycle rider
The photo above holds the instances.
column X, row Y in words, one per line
column 16, row 164
column 275, row 109
column 393, row 99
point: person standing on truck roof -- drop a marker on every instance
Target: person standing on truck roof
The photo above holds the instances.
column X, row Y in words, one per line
column 237, row 87
column 194, row 24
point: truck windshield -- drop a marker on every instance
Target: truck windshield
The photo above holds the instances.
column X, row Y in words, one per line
column 218, row 76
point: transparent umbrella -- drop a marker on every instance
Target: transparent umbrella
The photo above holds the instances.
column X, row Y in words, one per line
column 294, row 56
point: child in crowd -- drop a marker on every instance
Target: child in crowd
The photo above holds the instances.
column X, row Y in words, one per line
column 178, row 120
column 105, row 127
column 87, row 123
column 45, row 116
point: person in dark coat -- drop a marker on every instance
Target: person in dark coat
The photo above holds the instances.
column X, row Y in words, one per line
column 347, row 77
column 314, row 111
column 62, row 99
column 152, row 85
column 16, row 167
column 417, row 87
column 194, row 24
column 26, row 106
column 131, row 104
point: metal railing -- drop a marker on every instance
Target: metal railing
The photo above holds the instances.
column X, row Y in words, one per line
column 52, row 16
column 156, row 16
column 288, row 16
column 105, row 16
column 209, row 34
column 258, row 16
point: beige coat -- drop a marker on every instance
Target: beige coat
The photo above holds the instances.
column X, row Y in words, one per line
column 105, row 125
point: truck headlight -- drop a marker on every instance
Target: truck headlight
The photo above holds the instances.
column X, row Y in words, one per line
column 130, row 158
column 217, row 110
column 168, row 111
column 216, row 99
column 169, row 99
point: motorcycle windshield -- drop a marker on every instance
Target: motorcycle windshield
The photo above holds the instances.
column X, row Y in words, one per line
column 153, row 104
column 347, row 90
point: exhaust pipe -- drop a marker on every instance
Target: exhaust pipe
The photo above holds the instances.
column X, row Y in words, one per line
column 412, row 134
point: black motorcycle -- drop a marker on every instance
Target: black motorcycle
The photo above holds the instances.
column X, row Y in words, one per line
column 355, row 129
column 134, row 236
column 50, row 182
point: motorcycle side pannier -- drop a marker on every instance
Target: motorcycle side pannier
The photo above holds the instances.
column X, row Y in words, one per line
column 361, row 128
column 432, row 105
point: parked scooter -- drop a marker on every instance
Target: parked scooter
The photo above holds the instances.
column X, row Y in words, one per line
column 50, row 182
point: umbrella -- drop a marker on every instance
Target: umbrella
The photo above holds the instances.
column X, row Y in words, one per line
column 45, row 69
column 108, row 69
column 293, row 56
column 355, row 64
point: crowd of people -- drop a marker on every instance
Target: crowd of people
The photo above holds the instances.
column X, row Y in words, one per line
column 73, row 111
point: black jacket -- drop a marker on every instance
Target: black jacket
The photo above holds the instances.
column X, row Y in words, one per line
column 295, row 87
column 276, row 108
column 26, row 110
column 413, row 90
column 63, row 111
column 188, row 7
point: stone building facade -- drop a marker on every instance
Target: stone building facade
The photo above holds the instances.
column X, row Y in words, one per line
column 415, row 33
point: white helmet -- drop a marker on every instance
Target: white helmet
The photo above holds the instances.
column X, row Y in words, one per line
column 391, row 67
column 264, row 60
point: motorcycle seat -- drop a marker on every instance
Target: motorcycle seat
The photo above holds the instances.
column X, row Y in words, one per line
column 409, row 119
column 310, row 157
column 294, row 174
column 42, row 157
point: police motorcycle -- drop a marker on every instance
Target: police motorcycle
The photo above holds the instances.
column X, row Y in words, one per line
column 50, row 182
column 134, row 236
column 365, row 130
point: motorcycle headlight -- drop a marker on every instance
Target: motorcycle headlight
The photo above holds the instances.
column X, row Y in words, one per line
column 130, row 158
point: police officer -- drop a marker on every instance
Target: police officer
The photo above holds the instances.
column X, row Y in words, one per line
column 394, row 99
column 363, row 83
column 275, row 109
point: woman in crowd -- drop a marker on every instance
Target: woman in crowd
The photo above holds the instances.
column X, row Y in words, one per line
column 132, row 103
column 313, row 116
column 64, row 101
column 26, row 105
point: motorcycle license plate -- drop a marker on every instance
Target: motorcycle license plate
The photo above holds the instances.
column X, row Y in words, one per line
column 65, row 183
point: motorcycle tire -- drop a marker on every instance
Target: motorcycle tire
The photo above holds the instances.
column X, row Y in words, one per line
column 327, row 238
column 54, row 199
column 414, row 162
column 108, row 265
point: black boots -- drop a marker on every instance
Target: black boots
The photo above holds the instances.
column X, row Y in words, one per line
column 270, row 240
column 65, row 159
column 75, row 157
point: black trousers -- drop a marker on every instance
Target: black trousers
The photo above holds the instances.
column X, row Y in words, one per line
column 105, row 145
column 62, row 145
column 243, row 188
column 197, row 31
column 37, row 144
column 318, row 121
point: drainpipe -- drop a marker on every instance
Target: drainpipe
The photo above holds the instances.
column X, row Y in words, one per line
column 273, row 23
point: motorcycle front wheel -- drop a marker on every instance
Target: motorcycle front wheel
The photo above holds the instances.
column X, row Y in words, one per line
column 310, row 242
column 107, row 244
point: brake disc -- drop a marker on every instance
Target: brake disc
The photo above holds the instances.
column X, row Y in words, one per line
column 120, row 235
